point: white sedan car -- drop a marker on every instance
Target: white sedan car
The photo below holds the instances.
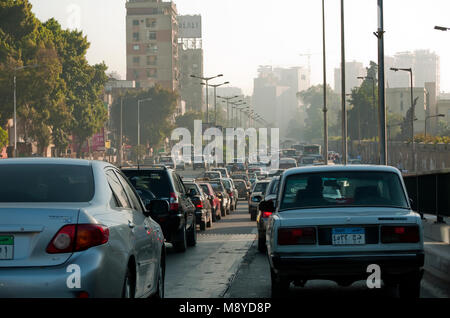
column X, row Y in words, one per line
column 343, row 223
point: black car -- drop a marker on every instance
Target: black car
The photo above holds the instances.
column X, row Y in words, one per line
column 179, row 224
column 203, row 209
column 242, row 188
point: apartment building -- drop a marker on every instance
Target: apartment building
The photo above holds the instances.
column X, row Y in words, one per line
column 152, row 48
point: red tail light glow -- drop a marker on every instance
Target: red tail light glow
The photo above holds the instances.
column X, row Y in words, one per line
column 297, row 236
column 173, row 202
column 266, row 214
column 400, row 234
column 74, row 238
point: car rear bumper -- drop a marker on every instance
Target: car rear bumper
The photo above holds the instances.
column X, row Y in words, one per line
column 391, row 264
column 170, row 224
column 99, row 275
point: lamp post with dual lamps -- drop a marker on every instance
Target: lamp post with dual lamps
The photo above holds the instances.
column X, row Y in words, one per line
column 215, row 99
column 234, row 111
column 206, row 79
column 228, row 106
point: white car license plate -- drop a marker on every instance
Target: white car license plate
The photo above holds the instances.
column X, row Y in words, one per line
column 6, row 247
column 348, row 236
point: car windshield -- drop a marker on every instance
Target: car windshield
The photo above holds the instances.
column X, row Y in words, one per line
column 343, row 189
column 205, row 188
column 260, row 187
column 217, row 186
column 212, row 175
column 240, row 185
column 46, row 183
column 155, row 181
column 190, row 186
column 226, row 184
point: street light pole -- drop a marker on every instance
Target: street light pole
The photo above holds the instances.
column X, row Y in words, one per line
column 121, row 132
column 228, row 106
column 413, row 114
column 381, row 90
column 206, row 79
column 325, row 110
column 139, row 127
column 215, row 99
column 344, row 113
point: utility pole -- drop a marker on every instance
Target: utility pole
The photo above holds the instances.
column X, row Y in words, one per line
column 121, row 132
column 325, row 110
column 381, row 91
column 344, row 112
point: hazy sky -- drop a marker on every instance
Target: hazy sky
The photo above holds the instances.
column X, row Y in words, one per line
column 240, row 35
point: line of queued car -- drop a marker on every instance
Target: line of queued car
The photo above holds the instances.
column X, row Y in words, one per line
column 79, row 228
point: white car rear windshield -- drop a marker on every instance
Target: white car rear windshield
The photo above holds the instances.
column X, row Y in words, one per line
column 46, row 183
column 343, row 189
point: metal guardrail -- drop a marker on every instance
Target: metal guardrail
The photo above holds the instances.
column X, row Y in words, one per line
column 430, row 192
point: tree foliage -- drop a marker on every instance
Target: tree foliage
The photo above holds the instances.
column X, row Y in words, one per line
column 313, row 102
column 155, row 115
column 363, row 116
column 62, row 95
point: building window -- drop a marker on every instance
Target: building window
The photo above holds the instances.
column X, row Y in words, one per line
column 151, row 60
column 135, row 22
column 136, row 60
column 151, row 73
column 136, row 36
column 136, row 47
column 152, row 35
column 152, row 48
column 150, row 23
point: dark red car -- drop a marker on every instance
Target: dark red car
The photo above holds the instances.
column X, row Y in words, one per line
column 213, row 199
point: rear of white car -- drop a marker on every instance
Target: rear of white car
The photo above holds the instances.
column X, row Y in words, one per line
column 339, row 237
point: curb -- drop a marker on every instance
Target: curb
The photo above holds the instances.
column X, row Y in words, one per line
column 245, row 261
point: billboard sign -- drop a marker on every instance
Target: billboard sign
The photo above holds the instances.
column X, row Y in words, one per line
column 189, row 26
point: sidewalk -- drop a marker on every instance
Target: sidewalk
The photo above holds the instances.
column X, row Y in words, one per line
column 437, row 254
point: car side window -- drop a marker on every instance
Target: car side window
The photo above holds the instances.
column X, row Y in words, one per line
column 178, row 185
column 117, row 189
column 183, row 188
column 131, row 194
